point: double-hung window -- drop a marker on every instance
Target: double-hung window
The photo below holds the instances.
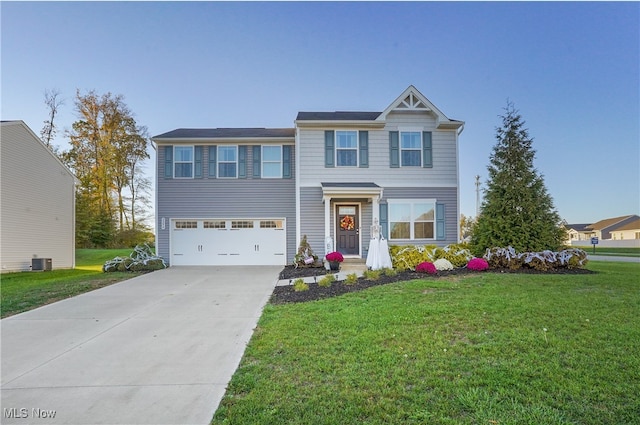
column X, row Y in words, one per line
column 183, row 162
column 411, row 148
column 272, row 162
column 227, row 161
column 347, row 148
column 412, row 219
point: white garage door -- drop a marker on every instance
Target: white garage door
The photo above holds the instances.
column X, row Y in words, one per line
column 215, row 242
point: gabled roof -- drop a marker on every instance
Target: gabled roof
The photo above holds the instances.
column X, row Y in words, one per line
column 227, row 133
column 608, row 222
column 579, row 227
column 412, row 100
column 633, row 225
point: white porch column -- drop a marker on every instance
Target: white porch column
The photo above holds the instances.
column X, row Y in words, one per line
column 327, row 223
column 375, row 212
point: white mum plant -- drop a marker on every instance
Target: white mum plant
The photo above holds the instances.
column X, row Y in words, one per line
column 443, row 264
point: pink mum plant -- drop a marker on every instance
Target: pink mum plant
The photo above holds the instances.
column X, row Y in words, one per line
column 426, row 267
column 478, row 264
column 334, row 257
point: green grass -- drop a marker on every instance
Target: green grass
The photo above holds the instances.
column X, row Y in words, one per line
column 620, row 252
column 24, row 291
column 485, row 349
column 93, row 259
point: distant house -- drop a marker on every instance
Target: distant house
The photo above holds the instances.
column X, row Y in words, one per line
column 627, row 231
column 37, row 209
column 578, row 232
column 603, row 228
column 246, row 196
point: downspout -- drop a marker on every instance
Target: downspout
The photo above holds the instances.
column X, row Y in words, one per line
column 155, row 200
column 458, row 132
column 297, row 177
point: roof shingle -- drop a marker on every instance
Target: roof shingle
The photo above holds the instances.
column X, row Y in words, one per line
column 337, row 116
column 227, row 133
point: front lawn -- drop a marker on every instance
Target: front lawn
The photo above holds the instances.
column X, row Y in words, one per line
column 482, row 349
column 24, row 291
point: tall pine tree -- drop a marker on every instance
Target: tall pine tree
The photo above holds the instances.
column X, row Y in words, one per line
column 517, row 210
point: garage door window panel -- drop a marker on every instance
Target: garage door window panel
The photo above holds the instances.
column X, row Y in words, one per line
column 242, row 224
column 215, row 224
column 186, row 224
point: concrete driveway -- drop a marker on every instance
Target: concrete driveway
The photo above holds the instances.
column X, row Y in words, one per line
column 157, row 349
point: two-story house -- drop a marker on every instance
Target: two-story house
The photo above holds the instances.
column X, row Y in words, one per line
column 247, row 196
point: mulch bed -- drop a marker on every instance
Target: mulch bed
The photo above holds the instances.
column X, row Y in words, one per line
column 286, row 294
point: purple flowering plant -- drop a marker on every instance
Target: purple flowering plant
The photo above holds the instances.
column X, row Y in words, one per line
column 334, row 257
column 426, row 267
column 478, row 264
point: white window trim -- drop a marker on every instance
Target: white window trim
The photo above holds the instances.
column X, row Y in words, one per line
column 262, row 161
column 218, row 161
column 357, row 148
column 192, row 162
column 411, row 130
column 411, row 222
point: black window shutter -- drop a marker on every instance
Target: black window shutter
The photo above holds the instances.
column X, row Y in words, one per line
column 286, row 162
column 242, row 162
column 440, row 221
column 213, row 154
column 384, row 220
column 197, row 163
column 363, row 143
column 394, row 149
column 257, row 162
column 168, row 162
column 427, row 152
column 329, row 146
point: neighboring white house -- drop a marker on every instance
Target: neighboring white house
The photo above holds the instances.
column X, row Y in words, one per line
column 37, row 202
column 628, row 231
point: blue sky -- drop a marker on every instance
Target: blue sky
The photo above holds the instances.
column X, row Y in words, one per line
column 571, row 69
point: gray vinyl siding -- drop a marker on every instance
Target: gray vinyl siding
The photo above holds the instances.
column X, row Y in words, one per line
column 38, row 202
column 446, row 195
column 443, row 173
column 312, row 218
column 223, row 198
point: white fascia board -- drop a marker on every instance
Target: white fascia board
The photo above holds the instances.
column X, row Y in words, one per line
column 451, row 125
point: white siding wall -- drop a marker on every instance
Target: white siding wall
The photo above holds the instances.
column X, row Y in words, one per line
column 442, row 174
column 36, row 202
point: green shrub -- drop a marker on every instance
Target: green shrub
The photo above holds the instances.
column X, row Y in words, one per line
column 389, row 272
column 299, row 285
column 351, row 279
column 327, row 280
column 457, row 254
column 542, row 260
column 409, row 256
column 372, row 274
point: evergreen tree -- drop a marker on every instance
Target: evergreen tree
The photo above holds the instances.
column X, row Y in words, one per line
column 517, row 210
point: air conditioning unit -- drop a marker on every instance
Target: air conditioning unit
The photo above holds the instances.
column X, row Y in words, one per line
column 41, row 264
